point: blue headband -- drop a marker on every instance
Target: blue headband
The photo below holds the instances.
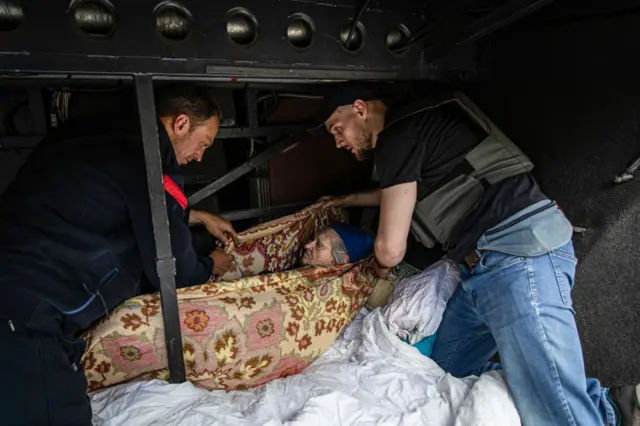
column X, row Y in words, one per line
column 358, row 243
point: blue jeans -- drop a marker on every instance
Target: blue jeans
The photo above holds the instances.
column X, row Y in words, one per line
column 521, row 307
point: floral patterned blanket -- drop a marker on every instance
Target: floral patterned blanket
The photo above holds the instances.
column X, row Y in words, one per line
column 239, row 333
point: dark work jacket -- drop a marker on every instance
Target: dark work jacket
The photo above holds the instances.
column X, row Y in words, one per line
column 76, row 235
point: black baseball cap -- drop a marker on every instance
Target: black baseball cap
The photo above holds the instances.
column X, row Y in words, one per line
column 339, row 95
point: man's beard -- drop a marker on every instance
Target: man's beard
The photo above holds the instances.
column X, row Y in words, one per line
column 365, row 145
column 363, row 154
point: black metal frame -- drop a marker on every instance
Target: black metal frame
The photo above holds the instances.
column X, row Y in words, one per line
column 165, row 262
column 137, row 46
column 215, row 186
column 264, row 211
column 36, row 110
column 253, row 131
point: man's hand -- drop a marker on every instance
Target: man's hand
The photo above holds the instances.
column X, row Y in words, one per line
column 216, row 226
column 221, row 261
column 335, row 201
column 373, row 267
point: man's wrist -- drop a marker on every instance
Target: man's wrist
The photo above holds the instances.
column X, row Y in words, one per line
column 349, row 200
column 196, row 217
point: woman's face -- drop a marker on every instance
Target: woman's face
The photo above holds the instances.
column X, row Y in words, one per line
column 319, row 251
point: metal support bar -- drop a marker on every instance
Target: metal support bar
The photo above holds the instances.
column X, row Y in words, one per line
column 264, row 211
column 36, row 108
column 233, row 175
column 487, row 24
column 251, row 98
column 256, row 132
column 20, row 142
column 166, row 263
column 229, row 133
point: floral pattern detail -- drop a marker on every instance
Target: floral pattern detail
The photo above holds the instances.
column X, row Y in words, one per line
column 291, row 300
column 197, row 320
column 265, row 328
column 188, row 349
column 127, row 358
column 150, row 311
column 308, row 295
column 248, row 262
column 288, row 366
column 238, row 332
column 103, row 368
column 297, row 313
column 131, row 321
column 226, row 347
column 330, row 306
column 323, row 291
column 247, row 302
column 253, row 367
column 304, row 342
column 292, row 329
column 89, row 361
column 130, row 353
column 320, row 327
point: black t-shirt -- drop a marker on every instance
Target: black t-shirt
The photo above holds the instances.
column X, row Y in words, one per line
column 428, row 148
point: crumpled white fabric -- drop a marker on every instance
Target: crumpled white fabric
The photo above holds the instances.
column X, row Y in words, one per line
column 414, row 310
column 373, row 379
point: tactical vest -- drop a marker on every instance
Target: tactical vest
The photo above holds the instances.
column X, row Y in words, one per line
column 443, row 205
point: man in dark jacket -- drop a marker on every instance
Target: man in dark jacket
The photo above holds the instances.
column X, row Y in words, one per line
column 77, row 240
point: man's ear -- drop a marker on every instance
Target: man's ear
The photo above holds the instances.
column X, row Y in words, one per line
column 182, row 125
column 360, row 108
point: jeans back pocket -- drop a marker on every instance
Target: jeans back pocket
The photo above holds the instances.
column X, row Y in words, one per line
column 492, row 260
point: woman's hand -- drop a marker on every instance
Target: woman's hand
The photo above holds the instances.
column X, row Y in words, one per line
column 221, row 261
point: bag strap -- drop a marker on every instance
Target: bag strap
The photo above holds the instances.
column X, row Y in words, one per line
column 418, row 107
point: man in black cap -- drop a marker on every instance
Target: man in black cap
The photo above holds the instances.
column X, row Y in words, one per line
column 449, row 175
column 77, row 239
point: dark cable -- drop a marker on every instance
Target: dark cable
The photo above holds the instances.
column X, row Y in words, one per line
column 276, row 102
column 354, row 24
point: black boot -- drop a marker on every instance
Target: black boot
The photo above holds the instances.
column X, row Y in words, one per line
column 627, row 401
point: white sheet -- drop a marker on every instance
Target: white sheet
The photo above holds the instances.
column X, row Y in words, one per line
column 414, row 310
column 373, row 379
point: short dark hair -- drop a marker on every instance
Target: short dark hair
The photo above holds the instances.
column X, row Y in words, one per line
column 195, row 102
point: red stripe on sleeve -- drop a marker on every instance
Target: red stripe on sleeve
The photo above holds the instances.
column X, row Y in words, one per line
column 174, row 190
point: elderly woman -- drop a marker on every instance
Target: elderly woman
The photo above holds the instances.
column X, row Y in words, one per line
column 262, row 320
column 336, row 245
